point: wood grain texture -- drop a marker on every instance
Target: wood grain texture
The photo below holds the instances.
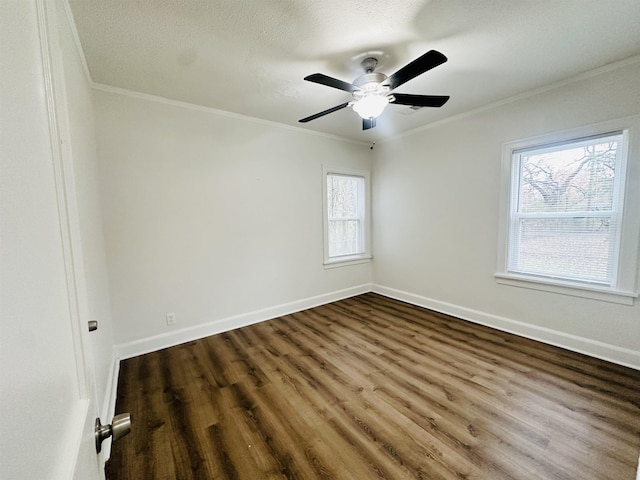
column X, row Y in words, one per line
column 373, row 388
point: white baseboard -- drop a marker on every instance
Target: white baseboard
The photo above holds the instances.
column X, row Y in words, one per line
column 604, row 351
column 158, row 342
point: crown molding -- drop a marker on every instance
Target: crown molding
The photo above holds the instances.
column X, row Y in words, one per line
column 522, row 96
column 215, row 111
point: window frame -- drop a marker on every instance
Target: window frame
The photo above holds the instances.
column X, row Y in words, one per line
column 365, row 256
column 623, row 288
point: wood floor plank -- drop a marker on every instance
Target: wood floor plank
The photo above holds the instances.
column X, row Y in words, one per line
column 373, row 388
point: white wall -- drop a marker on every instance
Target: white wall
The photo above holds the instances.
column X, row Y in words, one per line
column 81, row 148
column 211, row 216
column 436, row 203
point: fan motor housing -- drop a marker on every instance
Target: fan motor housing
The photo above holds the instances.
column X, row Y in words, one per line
column 371, row 84
column 370, row 81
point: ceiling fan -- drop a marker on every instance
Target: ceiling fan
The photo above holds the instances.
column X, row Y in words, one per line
column 372, row 90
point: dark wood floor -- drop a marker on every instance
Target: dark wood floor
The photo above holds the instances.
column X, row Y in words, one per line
column 371, row 388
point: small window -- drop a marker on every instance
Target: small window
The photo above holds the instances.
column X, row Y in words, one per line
column 346, row 217
column 565, row 213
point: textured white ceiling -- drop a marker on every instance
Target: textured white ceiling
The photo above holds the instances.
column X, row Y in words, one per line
column 250, row 56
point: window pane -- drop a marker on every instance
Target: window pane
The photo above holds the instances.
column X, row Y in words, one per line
column 344, row 237
column 563, row 219
column 573, row 178
column 342, row 194
column 345, row 212
column 569, row 248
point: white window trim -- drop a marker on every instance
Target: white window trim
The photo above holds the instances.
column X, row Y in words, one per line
column 332, row 262
column 624, row 289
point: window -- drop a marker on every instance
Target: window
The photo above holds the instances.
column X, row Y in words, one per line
column 346, row 216
column 565, row 220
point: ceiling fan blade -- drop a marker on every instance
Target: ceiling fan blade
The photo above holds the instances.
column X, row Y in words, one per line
column 420, row 65
column 420, row 100
column 325, row 112
column 331, row 82
column 368, row 123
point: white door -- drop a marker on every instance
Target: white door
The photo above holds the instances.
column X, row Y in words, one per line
column 47, row 388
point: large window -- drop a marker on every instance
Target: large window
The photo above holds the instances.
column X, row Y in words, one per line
column 346, row 216
column 565, row 210
column 565, row 214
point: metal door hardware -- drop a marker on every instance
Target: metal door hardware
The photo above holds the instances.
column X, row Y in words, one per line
column 93, row 325
column 120, row 426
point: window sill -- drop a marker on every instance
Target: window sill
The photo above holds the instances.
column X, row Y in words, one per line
column 347, row 261
column 584, row 291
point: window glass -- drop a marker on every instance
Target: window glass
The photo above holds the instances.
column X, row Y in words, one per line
column 346, row 218
column 345, row 198
column 564, row 219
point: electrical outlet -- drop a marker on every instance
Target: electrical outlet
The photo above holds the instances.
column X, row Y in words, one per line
column 171, row 318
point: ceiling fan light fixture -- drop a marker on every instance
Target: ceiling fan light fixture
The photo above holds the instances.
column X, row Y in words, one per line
column 372, row 91
column 371, row 106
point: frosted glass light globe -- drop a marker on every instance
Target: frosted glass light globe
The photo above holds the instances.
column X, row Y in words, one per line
column 371, row 106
